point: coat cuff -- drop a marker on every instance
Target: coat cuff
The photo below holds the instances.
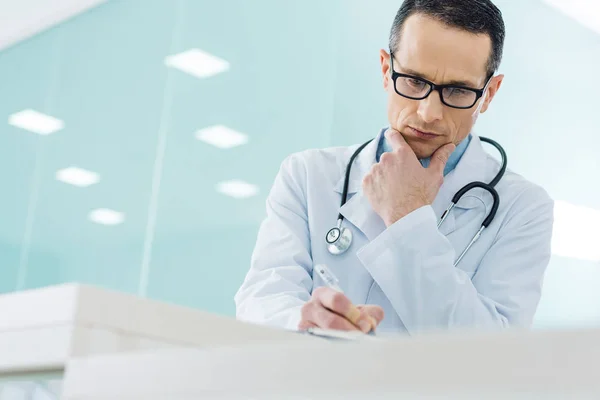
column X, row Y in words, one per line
column 412, row 232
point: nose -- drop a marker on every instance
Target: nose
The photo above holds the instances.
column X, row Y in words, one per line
column 431, row 109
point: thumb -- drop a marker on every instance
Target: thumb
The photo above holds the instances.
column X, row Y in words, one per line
column 394, row 138
column 375, row 313
column 440, row 157
column 372, row 310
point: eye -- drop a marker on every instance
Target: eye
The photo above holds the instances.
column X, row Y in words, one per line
column 458, row 92
column 416, row 83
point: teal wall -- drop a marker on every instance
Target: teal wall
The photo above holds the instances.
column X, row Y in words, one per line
column 303, row 74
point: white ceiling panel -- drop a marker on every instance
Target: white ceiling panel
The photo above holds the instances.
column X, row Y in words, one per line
column 586, row 12
column 22, row 19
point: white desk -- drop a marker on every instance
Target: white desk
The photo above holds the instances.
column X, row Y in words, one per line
column 94, row 344
column 41, row 330
column 517, row 365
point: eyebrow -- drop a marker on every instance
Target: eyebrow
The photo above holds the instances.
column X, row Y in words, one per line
column 409, row 71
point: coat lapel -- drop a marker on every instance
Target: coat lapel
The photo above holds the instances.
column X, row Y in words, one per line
column 357, row 209
column 359, row 213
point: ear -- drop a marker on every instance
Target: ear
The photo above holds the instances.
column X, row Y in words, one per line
column 492, row 89
column 385, row 67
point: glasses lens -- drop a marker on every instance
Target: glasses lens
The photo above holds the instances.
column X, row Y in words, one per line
column 459, row 97
column 412, row 87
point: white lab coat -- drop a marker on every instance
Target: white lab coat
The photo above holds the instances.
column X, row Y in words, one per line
column 407, row 268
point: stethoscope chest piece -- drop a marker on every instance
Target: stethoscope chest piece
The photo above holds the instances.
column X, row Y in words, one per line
column 338, row 240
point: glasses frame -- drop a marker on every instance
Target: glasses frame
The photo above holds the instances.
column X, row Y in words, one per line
column 439, row 88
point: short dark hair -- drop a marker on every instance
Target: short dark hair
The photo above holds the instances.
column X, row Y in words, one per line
column 474, row 16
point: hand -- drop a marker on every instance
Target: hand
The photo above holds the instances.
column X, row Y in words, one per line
column 398, row 184
column 329, row 309
column 375, row 312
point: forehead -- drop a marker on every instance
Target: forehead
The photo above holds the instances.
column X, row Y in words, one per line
column 442, row 53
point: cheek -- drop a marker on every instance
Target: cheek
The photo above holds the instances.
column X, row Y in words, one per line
column 399, row 109
column 462, row 126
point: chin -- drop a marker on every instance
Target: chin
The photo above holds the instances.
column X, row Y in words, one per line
column 421, row 149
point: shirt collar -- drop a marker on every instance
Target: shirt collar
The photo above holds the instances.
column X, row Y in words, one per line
column 455, row 157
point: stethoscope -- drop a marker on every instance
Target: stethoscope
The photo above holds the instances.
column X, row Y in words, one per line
column 339, row 239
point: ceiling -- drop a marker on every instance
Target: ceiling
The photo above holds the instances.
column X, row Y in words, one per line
column 19, row 20
column 586, row 12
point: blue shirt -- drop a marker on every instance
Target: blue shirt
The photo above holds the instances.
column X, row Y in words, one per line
column 455, row 157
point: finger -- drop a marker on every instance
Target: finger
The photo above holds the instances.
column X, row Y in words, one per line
column 394, row 139
column 304, row 325
column 366, row 323
column 326, row 319
column 372, row 322
column 341, row 305
column 440, row 157
column 374, row 312
column 338, row 303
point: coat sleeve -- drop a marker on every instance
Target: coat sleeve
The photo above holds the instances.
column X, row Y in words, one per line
column 413, row 264
column 280, row 278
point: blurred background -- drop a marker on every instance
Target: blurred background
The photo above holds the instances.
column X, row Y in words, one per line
column 140, row 138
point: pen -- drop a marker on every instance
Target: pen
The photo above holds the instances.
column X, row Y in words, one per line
column 328, row 277
column 333, row 282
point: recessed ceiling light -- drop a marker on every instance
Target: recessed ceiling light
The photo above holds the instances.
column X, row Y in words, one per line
column 77, row 176
column 36, row 122
column 197, row 63
column 105, row 216
column 237, row 189
column 222, row 137
column 586, row 12
column 575, row 232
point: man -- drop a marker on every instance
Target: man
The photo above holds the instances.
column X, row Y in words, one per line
column 399, row 270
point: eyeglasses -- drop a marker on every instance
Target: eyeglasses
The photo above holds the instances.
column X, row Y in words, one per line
column 416, row 88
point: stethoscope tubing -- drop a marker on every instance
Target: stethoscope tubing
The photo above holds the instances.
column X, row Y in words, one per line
column 489, row 187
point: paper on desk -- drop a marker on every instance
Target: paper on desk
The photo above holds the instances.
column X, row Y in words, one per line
column 340, row 335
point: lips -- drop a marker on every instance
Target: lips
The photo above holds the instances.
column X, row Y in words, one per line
column 423, row 134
